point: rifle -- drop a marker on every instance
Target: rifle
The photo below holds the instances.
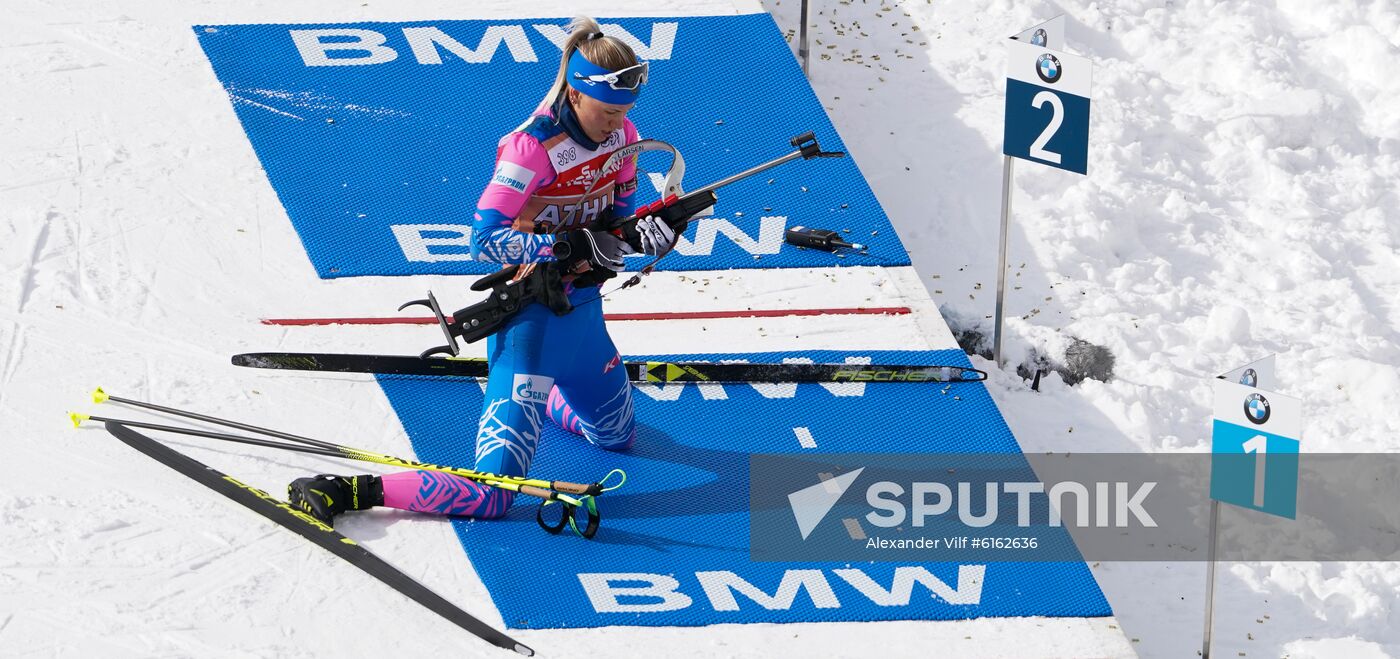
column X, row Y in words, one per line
column 516, row 286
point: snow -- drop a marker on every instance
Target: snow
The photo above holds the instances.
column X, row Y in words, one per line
column 1240, row 201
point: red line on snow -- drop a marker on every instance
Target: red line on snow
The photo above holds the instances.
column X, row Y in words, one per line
column 671, row 315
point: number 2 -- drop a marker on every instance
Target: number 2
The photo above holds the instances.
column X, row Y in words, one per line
column 1057, row 117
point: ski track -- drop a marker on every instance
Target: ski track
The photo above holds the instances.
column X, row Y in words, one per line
column 249, row 101
column 13, row 355
column 31, row 268
column 30, row 184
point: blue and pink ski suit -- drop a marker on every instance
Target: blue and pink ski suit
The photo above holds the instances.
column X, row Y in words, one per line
column 548, row 179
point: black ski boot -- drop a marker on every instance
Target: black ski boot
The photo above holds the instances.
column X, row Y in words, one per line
column 326, row 496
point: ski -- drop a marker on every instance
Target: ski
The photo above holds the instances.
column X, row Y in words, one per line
column 312, row 529
column 637, row 371
column 571, row 497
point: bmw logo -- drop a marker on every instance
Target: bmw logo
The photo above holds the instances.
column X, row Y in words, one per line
column 1250, row 378
column 1048, row 68
column 1256, row 409
column 1039, row 38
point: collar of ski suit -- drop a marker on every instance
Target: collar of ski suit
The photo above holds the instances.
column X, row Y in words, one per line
column 564, row 115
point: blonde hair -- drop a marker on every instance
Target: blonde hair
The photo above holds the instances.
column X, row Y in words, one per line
column 586, row 37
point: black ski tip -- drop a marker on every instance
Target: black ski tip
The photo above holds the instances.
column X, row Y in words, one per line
column 414, row 303
column 525, row 650
column 257, row 360
column 439, row 350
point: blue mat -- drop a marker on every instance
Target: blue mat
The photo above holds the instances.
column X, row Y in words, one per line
column 684, row 509
column 379, row 165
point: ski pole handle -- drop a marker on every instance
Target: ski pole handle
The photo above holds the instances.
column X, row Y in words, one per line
column 592, row 489
column 536, row 491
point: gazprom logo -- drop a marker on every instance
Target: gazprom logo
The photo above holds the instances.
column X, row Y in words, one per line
column 531, row 388
column 513, row 176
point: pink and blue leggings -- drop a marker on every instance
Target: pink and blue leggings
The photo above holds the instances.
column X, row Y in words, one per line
column 563, row 368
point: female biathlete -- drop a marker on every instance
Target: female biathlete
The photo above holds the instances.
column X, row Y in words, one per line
column 548, row 186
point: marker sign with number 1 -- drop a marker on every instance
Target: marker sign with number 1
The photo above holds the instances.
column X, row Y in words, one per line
column 1047, row 106
column 1254, row 448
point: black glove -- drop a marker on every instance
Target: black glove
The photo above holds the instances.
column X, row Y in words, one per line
column 582, row 251
column 547, row 285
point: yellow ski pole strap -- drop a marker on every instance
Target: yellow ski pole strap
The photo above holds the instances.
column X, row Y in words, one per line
column 604, row 487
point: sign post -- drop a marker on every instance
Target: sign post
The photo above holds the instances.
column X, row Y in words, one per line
column 1254, row 457
column 802, row 39
column 1047, row 121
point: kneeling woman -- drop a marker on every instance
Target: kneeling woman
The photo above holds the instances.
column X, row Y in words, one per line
column 547, row 188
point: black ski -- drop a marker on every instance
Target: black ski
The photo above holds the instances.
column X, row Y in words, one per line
column 636, row 371
column 313, row 530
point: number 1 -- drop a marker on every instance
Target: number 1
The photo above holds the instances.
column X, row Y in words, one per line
column 1258, row 445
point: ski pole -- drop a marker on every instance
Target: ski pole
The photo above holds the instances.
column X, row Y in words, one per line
column 314, row 530
column 569, row 504
column 523, row 486
column 592, row 489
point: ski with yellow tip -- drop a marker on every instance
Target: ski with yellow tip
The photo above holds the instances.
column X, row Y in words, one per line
column 637, row 371
column 312, row 529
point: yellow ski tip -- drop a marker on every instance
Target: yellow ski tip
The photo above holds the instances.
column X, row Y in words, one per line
column 77, row 418
column 99, row 396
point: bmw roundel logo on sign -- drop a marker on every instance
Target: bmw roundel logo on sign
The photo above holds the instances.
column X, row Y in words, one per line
column 1048, row 68
column 1256, row 408
column 1249, row 378
column 1040, row 38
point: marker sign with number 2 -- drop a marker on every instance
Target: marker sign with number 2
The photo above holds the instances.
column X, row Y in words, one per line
column 1047, row 106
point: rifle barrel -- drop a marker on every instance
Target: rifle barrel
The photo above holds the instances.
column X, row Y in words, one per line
column 747, row 173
